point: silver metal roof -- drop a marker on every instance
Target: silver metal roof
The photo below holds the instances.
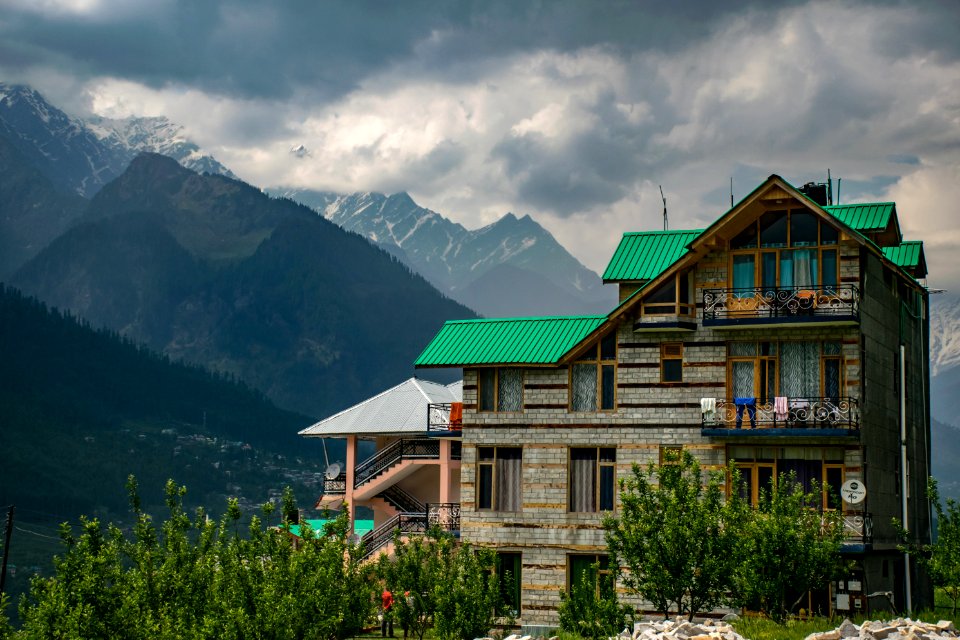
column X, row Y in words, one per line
column 401, row 409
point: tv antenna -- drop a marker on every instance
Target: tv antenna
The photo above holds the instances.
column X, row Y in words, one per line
column 666, row 225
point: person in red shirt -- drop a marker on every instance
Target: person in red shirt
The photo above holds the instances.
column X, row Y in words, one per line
column 386, row 606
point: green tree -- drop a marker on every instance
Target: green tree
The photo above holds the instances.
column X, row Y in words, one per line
column 591, row 609
column 942, row 557
column 411, row 574
column 787, row 548
column 200, row 578
column 467, row 592
column 676, row 535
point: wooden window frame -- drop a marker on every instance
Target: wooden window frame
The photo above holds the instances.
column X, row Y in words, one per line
column 753, row 465
column 685, row 308
column 775, row 360
column 666, row 356
column 593, row 355
column 601, row 464
column 492, row 464
column 602, row 571
column 496, row 390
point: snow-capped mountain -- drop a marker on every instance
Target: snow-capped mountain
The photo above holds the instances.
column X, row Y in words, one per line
column 543, row 277
column 81, row 156
column 156, row 135
column 944, row 334
column 61, row 147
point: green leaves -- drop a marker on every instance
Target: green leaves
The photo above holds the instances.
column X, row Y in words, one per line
column 198, row 578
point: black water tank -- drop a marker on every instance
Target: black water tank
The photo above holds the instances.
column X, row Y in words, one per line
column 816, row 192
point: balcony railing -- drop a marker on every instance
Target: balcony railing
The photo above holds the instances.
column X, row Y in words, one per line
column 444, row 416
column 445, row 515
column 335, row 486
column 394, row 453
column 794, row 413
column 776, row 304
column 858, row 528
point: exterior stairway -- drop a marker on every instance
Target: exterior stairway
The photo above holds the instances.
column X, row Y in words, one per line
column 391, row 464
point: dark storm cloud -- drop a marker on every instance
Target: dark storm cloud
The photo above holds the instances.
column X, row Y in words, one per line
column 254, row 49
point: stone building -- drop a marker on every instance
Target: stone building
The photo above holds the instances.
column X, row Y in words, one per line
column 772, row 339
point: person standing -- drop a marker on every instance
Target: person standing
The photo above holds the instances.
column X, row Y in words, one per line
column 386, row 606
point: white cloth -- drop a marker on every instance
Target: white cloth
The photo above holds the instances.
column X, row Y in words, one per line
column 708, row 405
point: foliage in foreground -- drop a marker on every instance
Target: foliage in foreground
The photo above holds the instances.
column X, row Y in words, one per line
column 452, row 586
column 942, row 558
column 198, row 578
column 676, row 535
column 592, row 610
column 786, row 548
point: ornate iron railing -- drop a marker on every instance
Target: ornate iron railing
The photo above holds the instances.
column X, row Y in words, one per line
column 445, row 515
column 335, row 486
column 798, row 413
column 780, row 302
column 405, row 523
column 404, row 449
column 444, row 416
column 858, row 527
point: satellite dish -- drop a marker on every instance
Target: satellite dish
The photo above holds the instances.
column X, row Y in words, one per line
column 333, row 470
column 853, row 491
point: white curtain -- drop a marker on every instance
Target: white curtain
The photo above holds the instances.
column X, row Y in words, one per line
column 583, row 480
column 510, row 390
column 584, row 387
column 800, row 369
column 509, row 479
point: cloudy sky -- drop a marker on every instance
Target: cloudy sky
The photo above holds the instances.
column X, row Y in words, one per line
column 571, row 111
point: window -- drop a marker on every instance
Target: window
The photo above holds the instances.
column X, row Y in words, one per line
column 593, row 378
column 500, row 389
column 785, row 250
column 793, row 369
column 673, row 297
column 590, row 571
column 671, row 362
column 759, row 467
column 592, row 478
column 499, row 478
column 508, row 568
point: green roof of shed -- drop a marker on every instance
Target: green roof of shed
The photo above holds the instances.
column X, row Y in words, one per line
column 506, row 341
column 644, row 255
column 908, row 255
column 865, row 216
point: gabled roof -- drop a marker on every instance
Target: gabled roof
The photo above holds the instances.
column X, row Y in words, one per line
column 644, row 255
column 909, row 256
column 506, row 341
column 401, row 409
column 865, row 216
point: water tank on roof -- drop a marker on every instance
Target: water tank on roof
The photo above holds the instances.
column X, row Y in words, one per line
column 816, row 191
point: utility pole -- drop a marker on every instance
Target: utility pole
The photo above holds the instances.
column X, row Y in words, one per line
column 6, row 548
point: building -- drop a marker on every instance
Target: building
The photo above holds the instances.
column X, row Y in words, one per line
column 772, row 338
column 408, row 478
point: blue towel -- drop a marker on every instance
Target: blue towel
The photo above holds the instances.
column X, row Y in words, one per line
column 744, row 401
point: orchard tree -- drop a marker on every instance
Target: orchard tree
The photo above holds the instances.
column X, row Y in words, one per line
column 467, row 592
column 676, row 535
column 787, row 547
column 942, row 557
column 411, row 574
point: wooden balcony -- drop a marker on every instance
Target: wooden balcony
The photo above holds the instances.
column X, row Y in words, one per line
column 764, row 306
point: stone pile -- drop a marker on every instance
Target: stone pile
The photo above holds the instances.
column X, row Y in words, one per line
column 897, row 629
column 681, row 629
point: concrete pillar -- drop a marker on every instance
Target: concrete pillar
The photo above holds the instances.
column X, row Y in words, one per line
column 351, row 465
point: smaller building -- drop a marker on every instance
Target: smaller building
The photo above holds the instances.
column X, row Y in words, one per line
column 411, row 481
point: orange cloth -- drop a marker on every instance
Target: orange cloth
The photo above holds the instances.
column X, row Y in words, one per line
column 387, row 599
column 456, row 415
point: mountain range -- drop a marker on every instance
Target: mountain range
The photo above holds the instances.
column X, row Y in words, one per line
column 512, row 267
column 81, row 156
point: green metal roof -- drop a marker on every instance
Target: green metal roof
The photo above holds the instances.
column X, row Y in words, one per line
column 644, row 255
column 360, row 527
column 865, row 216
column 907, row 254
column 506, row 340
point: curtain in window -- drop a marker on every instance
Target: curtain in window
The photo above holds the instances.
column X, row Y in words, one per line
column 807, row 471
column 510, row 390
column 584, row 387
column 743, row 372
column 800, row 369
column 583, row 479
column 509, row 478
column 743, row 274
column 798, row 268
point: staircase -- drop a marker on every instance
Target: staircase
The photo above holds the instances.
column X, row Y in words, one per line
column 401, row 500
column 391, row 455
column 405, row 523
